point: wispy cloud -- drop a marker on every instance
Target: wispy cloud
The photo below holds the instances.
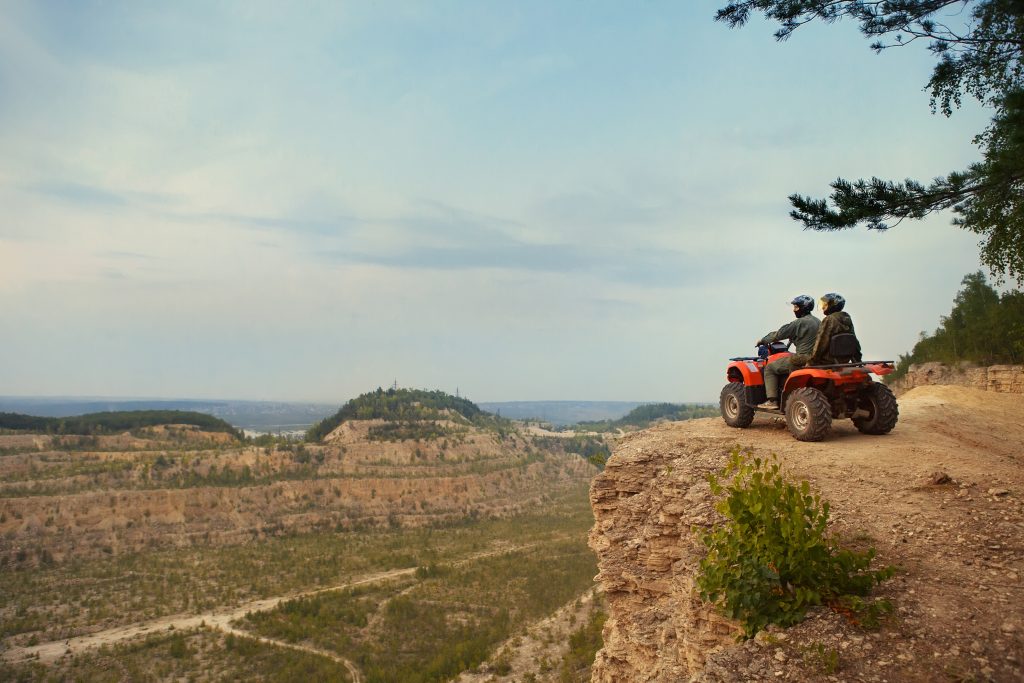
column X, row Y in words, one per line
column 645, row 267
column 77, row 193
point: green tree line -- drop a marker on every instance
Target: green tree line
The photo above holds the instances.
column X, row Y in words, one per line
column 109, row 422
column 984, row 327
column 645, row 415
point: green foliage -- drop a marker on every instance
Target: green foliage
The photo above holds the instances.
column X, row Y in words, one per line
column 592, row 449
column 89, row 594
column 403, row 405
column 825, row 659
column 109, row 422
column 423, row 430
column 645, row 415
column 772, row 559
column 445, row 620
column 983, row 327
column 193, row 655
column 584, row 643
column 983, row 59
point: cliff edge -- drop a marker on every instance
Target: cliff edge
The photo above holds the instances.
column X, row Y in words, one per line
column 940, row 498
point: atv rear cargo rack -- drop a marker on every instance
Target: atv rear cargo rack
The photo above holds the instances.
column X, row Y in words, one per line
column 844, row 365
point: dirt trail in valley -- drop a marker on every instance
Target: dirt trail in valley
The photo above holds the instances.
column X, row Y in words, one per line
column 47, row 653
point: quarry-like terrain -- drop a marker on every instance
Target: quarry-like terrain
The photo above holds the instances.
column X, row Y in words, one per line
column 64, row 497
column 941, row 498
column 173, row 553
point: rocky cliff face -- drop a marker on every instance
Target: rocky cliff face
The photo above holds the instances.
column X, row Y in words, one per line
column 1007, row 379
column 651, row 493
column 957, row 540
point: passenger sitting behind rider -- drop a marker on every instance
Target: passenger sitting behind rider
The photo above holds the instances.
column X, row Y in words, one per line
column 802, row 332
column 837, row 321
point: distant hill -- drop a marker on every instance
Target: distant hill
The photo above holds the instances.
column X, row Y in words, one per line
column 645, row 415
column 109, row 422
column 402, row 405
column 262, row 416
column 561, row 413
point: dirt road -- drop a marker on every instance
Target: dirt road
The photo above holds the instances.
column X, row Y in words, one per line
column 221, row 620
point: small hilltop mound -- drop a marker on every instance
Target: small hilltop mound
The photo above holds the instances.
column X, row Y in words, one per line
column 417, row 407
column 941, row 498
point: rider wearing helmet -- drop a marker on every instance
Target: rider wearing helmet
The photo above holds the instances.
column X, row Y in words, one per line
column 802, row 332
column 837, row 321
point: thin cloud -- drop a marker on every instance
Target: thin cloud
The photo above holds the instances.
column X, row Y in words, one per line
column 77, row 193
column 645, row 267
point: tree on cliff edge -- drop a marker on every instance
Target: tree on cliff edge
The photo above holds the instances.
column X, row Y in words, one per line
column 979, row 54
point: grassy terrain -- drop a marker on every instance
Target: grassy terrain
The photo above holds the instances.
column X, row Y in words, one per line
column 199, row 655
column 584, row 643
column 49, row 603
column 449, row 618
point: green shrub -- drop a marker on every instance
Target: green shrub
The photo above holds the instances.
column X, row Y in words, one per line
column 584, row 643
column 772, row 558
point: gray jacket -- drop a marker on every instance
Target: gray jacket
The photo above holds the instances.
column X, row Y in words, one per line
column 801, row 332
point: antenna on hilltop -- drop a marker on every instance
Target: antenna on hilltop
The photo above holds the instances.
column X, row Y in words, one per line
column 456, row 392
column 395, row 385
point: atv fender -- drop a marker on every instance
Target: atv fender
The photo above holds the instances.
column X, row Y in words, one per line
column 746, row 371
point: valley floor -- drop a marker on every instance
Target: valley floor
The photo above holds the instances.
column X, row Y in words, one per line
column 405, row 604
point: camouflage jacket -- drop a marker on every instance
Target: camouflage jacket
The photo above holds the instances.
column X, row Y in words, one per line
column 802, row 332
column 839, row 322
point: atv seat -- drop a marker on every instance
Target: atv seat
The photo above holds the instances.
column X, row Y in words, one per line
column 844, row 348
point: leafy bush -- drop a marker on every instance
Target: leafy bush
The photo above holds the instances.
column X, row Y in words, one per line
column 584, row 643
column 772, row 559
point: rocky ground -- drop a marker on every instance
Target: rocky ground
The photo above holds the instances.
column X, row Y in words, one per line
column 941, row 498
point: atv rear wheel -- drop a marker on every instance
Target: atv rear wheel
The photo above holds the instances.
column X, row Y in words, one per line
column 733, row 404
column 808, row 414
column 880, row 404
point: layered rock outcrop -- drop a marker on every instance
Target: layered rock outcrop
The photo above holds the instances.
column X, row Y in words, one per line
column 1006, row 379
column 653, row 490
column 88, row 501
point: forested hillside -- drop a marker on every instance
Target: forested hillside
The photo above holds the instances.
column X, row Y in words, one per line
column 398, row 405
column 645, row 415
column 984, row 327
column 108, row 422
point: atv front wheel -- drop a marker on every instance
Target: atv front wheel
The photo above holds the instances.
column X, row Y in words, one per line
column 733, row 404
column 880, row 404
column 808, row 414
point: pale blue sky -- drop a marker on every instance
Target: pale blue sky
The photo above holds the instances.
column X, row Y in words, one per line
column 528, row 200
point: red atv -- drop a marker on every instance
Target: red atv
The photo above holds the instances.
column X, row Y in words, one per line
column 815, row 395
